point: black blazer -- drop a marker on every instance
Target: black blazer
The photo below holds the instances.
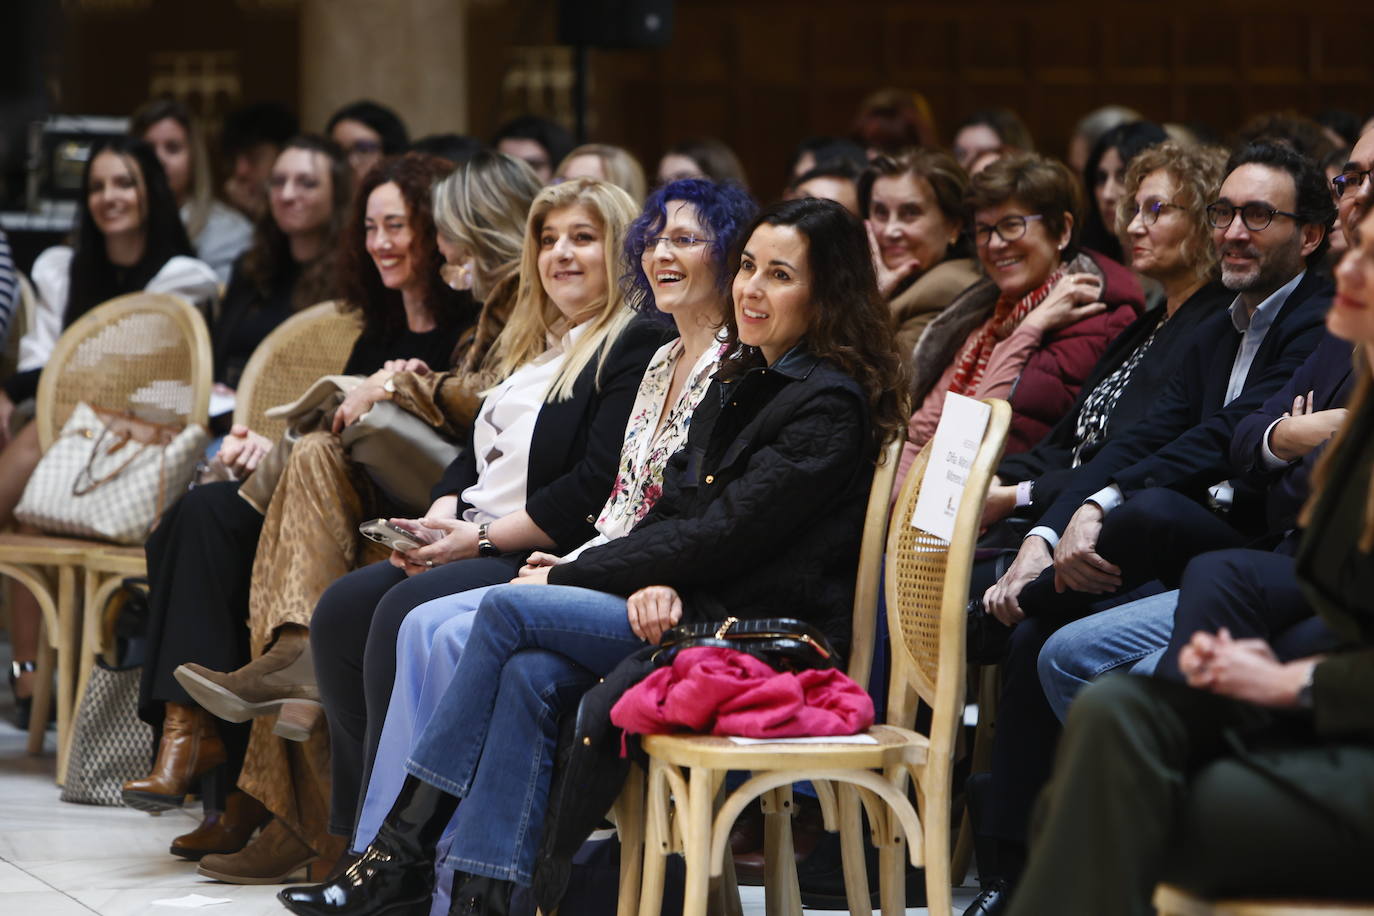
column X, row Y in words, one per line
column 575, row 446
column 1185, row 442
column 762, row 511
column 1049, row 463
column 1329, row 373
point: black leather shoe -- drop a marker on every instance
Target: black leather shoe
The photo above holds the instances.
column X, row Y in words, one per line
column 395, row 874
column 992, row 901
column 474, row 896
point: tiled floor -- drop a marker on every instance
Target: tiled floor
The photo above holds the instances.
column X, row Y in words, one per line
column 59, row 859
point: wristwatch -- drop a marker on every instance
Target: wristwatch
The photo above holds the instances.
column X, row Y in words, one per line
column 485, row 548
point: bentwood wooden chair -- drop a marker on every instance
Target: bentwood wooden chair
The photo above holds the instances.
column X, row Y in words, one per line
column 927, row 583
column 1173, row 901
column 315, row 341
column 145, row 353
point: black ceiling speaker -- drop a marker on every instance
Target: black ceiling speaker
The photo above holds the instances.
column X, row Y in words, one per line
column 615, row 23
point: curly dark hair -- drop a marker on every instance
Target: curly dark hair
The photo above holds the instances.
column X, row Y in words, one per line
column 270, row 253
column 415, row 174
column 724, row 210
column 850, row 323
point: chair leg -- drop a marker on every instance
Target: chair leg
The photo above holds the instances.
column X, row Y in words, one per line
column 657, row 840
column 852, row 851
column 892, row 874
column 697, row 840
column 939, row 899
column 782, row 897
column 66, row 664
column 629, row 824
column 42, row 691
column 725, row 890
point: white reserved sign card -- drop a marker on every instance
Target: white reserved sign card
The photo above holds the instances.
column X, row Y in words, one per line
column 962, row 424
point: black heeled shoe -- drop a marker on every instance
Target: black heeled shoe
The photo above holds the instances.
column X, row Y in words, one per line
column 395, row 874
column 474, row 896
column 23, row 706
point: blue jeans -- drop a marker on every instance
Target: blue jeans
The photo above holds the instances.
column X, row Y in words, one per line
column 532, row 653
column 429, row 647
column 1134, row 634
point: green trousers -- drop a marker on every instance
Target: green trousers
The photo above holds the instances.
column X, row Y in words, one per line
column 1156, row 781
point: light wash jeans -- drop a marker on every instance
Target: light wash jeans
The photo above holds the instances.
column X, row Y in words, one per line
column 1133, row 634
column 532, row 652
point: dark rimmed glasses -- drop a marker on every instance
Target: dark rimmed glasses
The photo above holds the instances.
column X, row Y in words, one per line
column 1349, row 180
column 1008, row 228
column 1255, row 216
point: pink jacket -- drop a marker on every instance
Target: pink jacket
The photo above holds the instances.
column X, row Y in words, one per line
column 724, row 692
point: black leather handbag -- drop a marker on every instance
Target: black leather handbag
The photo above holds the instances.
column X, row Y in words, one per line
column 783, row 643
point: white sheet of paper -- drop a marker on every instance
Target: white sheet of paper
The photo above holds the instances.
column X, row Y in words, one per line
column 824, row 739
column 191, row 902
column 952, row 451
column 221, row 403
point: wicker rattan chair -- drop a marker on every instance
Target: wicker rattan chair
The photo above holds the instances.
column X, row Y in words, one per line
column 1173, row 901
column 148, row 353
column 927, row 589
column 315, row 341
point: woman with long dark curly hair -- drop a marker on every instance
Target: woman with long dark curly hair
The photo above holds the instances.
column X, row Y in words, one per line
column 200, row 558
column 780, row 451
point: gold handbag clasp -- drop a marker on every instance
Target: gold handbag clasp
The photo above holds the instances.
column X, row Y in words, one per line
column 725, row 627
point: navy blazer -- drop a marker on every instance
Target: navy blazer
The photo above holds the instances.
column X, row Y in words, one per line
column 1185, row 443
column 1329, row 373
column 1050, row 463
column 575, row 446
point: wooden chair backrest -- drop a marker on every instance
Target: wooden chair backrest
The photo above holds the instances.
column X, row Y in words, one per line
column 870, row 578
column 313, row 342
column 927, row 593
column 145, row 353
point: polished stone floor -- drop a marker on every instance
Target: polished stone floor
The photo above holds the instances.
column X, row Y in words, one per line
column 59, row 859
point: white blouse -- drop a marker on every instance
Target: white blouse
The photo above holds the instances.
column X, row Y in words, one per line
column 186, row 277
column 227, row 233
column 502, row 431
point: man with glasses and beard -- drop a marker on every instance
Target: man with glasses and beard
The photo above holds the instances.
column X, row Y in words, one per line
column 1160, row 493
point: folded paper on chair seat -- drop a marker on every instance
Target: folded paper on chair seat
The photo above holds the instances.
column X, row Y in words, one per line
column 725, row 692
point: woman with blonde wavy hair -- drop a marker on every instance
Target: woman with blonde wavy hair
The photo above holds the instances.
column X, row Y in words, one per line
column 608, row 163
column 541, row 456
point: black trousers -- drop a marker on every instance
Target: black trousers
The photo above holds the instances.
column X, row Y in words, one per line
column 1253, row 594
column 353, row 639
column 1152, row 536
column 1156, row 781
column 200, row 562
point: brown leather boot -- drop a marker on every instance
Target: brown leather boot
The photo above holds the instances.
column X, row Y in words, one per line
column 274, row 855
column 280, row 681
column 190, row 747
column 224, row 831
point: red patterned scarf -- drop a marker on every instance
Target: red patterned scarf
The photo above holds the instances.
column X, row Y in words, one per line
column 1007, row 315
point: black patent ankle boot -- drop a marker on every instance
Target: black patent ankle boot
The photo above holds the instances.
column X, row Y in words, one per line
column 395, row 874
column 474, row 896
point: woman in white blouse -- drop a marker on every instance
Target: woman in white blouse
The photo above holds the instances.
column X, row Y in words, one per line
column 675, row 264
column 129, row 237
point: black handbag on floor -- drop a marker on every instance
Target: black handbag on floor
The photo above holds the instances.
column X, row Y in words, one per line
column 783, row 643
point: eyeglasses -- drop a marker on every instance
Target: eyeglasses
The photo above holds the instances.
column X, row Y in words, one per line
column 1008, row 228
column 362, row 149
column 676, row 242
column 1349, row 181
column 1150, row 212
column 1255, row 216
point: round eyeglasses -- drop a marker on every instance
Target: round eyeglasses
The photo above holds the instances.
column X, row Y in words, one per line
column 1008, row 228
column 1255, row 216
column 1150, row 212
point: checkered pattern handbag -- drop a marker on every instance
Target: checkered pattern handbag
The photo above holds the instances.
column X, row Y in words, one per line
column 110, row 476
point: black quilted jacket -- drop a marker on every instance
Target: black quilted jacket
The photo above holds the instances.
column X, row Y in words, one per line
column 762, row 511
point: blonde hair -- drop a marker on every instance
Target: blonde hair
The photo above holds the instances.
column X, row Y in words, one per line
column 1198, row 171
column 482, row 206
column 535, row 317
column 619, row 166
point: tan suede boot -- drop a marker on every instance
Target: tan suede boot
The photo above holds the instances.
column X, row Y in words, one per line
column 222, row 832
column 275, row 855
column 281, row 681
column 190, row 746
